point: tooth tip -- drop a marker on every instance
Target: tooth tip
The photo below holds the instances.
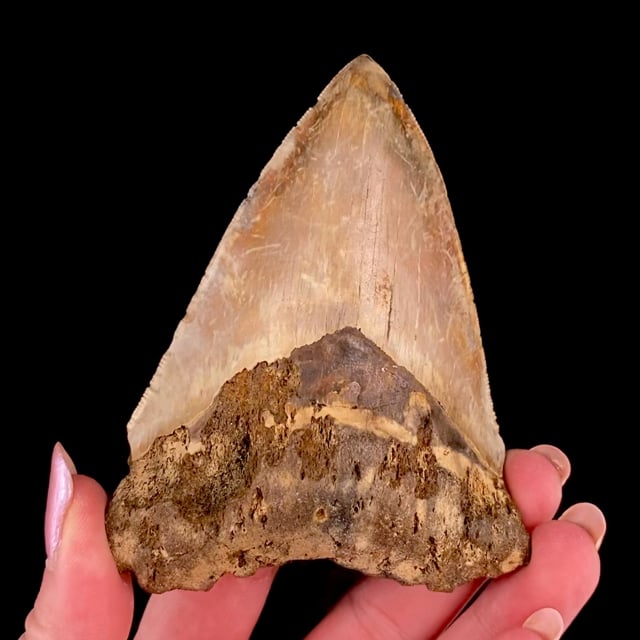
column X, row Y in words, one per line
column 364, row 66
column 363, row 73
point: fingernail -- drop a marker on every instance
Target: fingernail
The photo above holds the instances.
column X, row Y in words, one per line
column 590, row 518
column 58, row 497
column 547, row 622
column 557, row 458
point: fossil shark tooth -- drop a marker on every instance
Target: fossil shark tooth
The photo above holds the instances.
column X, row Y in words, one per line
column 326, row 394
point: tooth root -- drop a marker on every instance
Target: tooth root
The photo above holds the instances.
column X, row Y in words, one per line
column 333, row 452
column 348, row 225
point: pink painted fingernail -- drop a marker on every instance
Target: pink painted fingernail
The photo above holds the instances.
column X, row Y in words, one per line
column 557, row 458
column 590, row 518
column 58, row 497
column 547, row 622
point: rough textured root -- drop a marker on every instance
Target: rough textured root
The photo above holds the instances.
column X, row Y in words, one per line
column 334, row 452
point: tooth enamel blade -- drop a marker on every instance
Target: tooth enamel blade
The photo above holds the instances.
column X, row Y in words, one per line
column 349, row 225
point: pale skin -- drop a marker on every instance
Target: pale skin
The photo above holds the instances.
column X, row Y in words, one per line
column 83, row 596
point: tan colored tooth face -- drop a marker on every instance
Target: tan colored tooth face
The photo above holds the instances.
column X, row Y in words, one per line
column 345, row 250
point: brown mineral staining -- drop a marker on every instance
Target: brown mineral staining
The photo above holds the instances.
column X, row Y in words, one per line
column 334, row 452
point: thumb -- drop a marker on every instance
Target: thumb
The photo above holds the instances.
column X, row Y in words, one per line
column 82, row 595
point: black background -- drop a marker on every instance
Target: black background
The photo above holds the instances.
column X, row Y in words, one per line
column 137, row 139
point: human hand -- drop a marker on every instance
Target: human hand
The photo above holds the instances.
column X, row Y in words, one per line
column 83, row 596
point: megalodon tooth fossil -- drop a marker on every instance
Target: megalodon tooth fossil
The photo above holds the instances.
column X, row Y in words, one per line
column 326, row 394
